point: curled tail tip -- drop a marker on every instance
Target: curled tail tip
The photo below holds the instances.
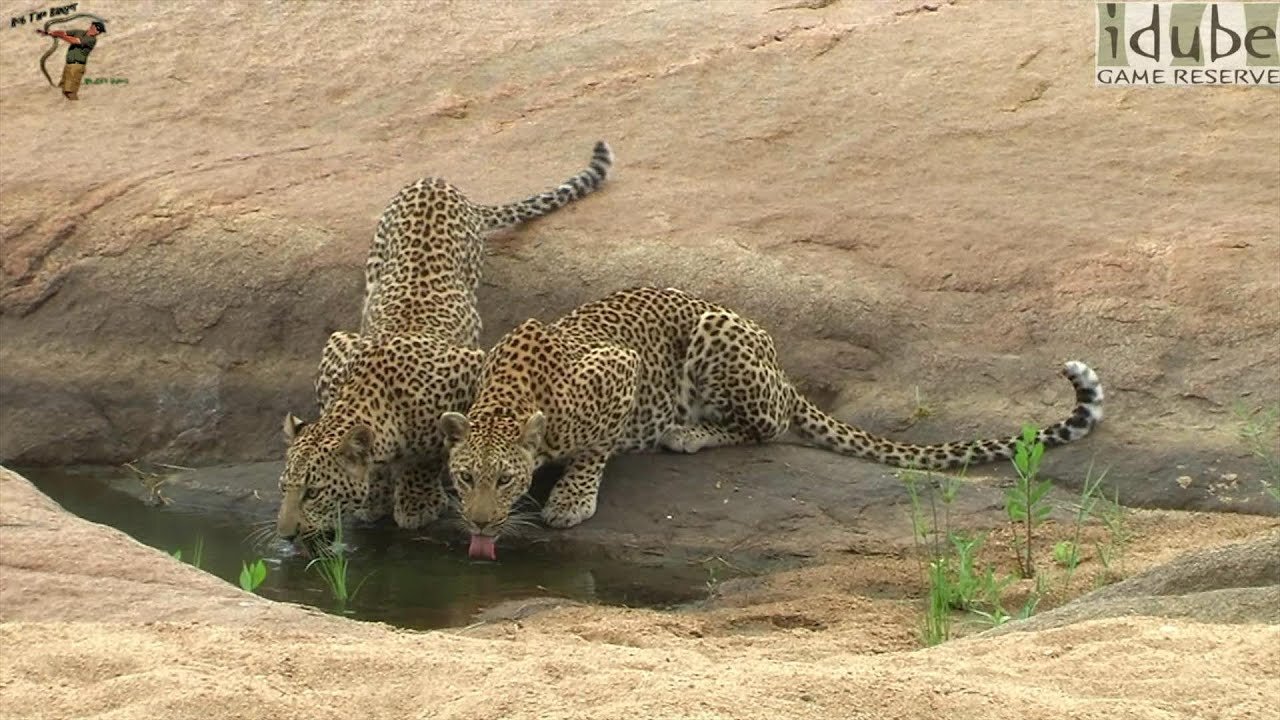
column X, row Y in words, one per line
column 1083, row 377
column 602, row 159
column 1088, row 388
column 1076, row 369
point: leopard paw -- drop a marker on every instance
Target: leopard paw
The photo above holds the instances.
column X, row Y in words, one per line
column 681, row 439
column 565, row 513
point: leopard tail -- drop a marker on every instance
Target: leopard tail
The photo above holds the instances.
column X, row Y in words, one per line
column 821, row 430
column 497, row 217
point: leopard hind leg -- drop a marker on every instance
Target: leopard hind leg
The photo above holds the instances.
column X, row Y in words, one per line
column 731, row 389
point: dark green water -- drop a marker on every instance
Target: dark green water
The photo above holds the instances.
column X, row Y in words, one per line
column 406, row 581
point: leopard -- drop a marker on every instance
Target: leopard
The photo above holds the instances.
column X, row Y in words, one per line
column 375, row 448
column 650, row 369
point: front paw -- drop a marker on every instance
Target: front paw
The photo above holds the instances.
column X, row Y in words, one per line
column 680, row 439
column 565, row 513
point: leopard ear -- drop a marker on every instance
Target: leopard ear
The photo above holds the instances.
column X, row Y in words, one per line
column 292, row 425
column 455, row 427
column 531, row 434
column 358, row 443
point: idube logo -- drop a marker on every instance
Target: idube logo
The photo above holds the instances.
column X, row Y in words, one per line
column 1188, row 44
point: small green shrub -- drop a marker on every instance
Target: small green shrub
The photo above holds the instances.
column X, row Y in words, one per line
column 1066, row 554
column 955, row 579
column 1027, row 502
column 252, row 575
column 973, row 588
column 958, row 581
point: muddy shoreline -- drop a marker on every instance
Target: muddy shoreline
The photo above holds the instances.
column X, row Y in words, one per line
column 764, row 509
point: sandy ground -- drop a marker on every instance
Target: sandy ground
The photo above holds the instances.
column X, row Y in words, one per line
column 95, row 625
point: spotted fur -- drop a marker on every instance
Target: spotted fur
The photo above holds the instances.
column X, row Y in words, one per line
column 376, row 446
column 644, row 369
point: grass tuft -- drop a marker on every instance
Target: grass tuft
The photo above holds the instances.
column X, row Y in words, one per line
column 954, row 577
column 332, row 564
column 1260, row 432
column 957, row 580
column 197, row 553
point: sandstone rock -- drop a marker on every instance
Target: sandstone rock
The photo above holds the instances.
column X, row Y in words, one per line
column 908, row 204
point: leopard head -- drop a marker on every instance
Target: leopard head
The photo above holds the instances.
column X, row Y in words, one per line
column 491, row 465
column 326, row 472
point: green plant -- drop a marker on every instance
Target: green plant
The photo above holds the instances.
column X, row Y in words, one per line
column 1066, row 554
column 972, row 588
column 936, row 627
column 936, row 624
column 332, row 564
column 997, row 615
column 1026, row 502
column 920, row 530
column 197, row 553
column 713, row 579
column 1260, row 431
column 978, row 591
column 1029, row 607
column 252, row 575
column 995, row 618
column 949, row 562
column 1111, row 553
column 1033, row 600
column 921, row 411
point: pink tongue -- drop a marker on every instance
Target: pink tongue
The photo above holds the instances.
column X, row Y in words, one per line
column 482, row 548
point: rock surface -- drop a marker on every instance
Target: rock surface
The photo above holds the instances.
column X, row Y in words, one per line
column 920, row 216
column 1233, row 584
column 929, row 204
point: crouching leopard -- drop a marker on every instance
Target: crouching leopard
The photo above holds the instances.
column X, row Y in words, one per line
column 645, row 369
column 376, row 445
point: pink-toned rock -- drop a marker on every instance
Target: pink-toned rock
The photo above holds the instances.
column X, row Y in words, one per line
column 906, row 202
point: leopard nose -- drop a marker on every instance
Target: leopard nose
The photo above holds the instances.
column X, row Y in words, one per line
column 287, row 530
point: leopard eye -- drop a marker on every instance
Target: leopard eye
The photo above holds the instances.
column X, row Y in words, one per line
column 506, row 480
column 309, row 492
column 462, row 478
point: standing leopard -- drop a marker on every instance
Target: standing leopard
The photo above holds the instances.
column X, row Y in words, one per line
column 376, row 445
column 644, row 369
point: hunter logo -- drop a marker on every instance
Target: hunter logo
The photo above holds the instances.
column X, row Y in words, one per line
column 79, row 42
column 1188, row 44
